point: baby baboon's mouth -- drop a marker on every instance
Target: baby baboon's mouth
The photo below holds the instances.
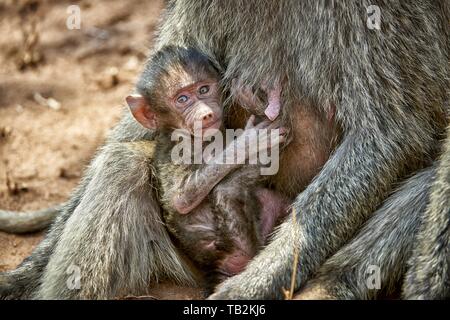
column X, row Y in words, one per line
column 213, row 124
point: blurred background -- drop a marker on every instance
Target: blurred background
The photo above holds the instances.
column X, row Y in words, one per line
column 61, row 89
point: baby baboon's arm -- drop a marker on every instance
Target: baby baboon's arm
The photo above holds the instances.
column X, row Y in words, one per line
column 190, row 189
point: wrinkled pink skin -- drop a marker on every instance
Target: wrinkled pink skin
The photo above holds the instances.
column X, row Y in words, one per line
column 273, row 207
column 246, row 97
column 273, row 109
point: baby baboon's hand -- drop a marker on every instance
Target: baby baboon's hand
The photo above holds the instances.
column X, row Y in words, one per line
column 271, row 135
column 265, row 135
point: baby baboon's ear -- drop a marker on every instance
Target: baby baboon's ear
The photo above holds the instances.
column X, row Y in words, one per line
column 142, row 111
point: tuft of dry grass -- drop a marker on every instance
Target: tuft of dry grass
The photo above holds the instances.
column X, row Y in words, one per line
column 29, row 55
column 289, row 294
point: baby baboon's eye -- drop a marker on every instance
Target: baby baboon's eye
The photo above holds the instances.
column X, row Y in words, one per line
column 203, row 90
column 182, row 99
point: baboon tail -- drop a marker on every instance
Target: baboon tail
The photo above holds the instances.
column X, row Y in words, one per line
column 22, row 222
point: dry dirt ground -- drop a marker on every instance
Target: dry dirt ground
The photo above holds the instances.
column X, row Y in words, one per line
column 55, row 113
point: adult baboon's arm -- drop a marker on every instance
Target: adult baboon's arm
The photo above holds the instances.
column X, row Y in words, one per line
column 428, row 276
column 358, row 270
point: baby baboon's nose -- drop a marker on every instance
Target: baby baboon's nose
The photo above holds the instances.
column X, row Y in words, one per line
column 208, row 119
column 208, row 116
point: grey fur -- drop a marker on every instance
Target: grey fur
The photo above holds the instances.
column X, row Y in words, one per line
column 429, row 274
column 22, row 222
column 385, row 242
column 127, row 246
column 388, row 101
column 388, row 86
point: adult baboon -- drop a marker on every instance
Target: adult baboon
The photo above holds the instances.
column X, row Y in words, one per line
column 386, row 89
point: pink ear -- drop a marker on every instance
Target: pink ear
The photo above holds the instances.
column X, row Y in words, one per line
column 141, row 111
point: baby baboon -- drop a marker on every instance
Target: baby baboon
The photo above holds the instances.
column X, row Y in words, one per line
column 215, row 211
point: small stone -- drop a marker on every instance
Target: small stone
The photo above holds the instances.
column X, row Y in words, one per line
column 109, row 78
column 132, row 63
